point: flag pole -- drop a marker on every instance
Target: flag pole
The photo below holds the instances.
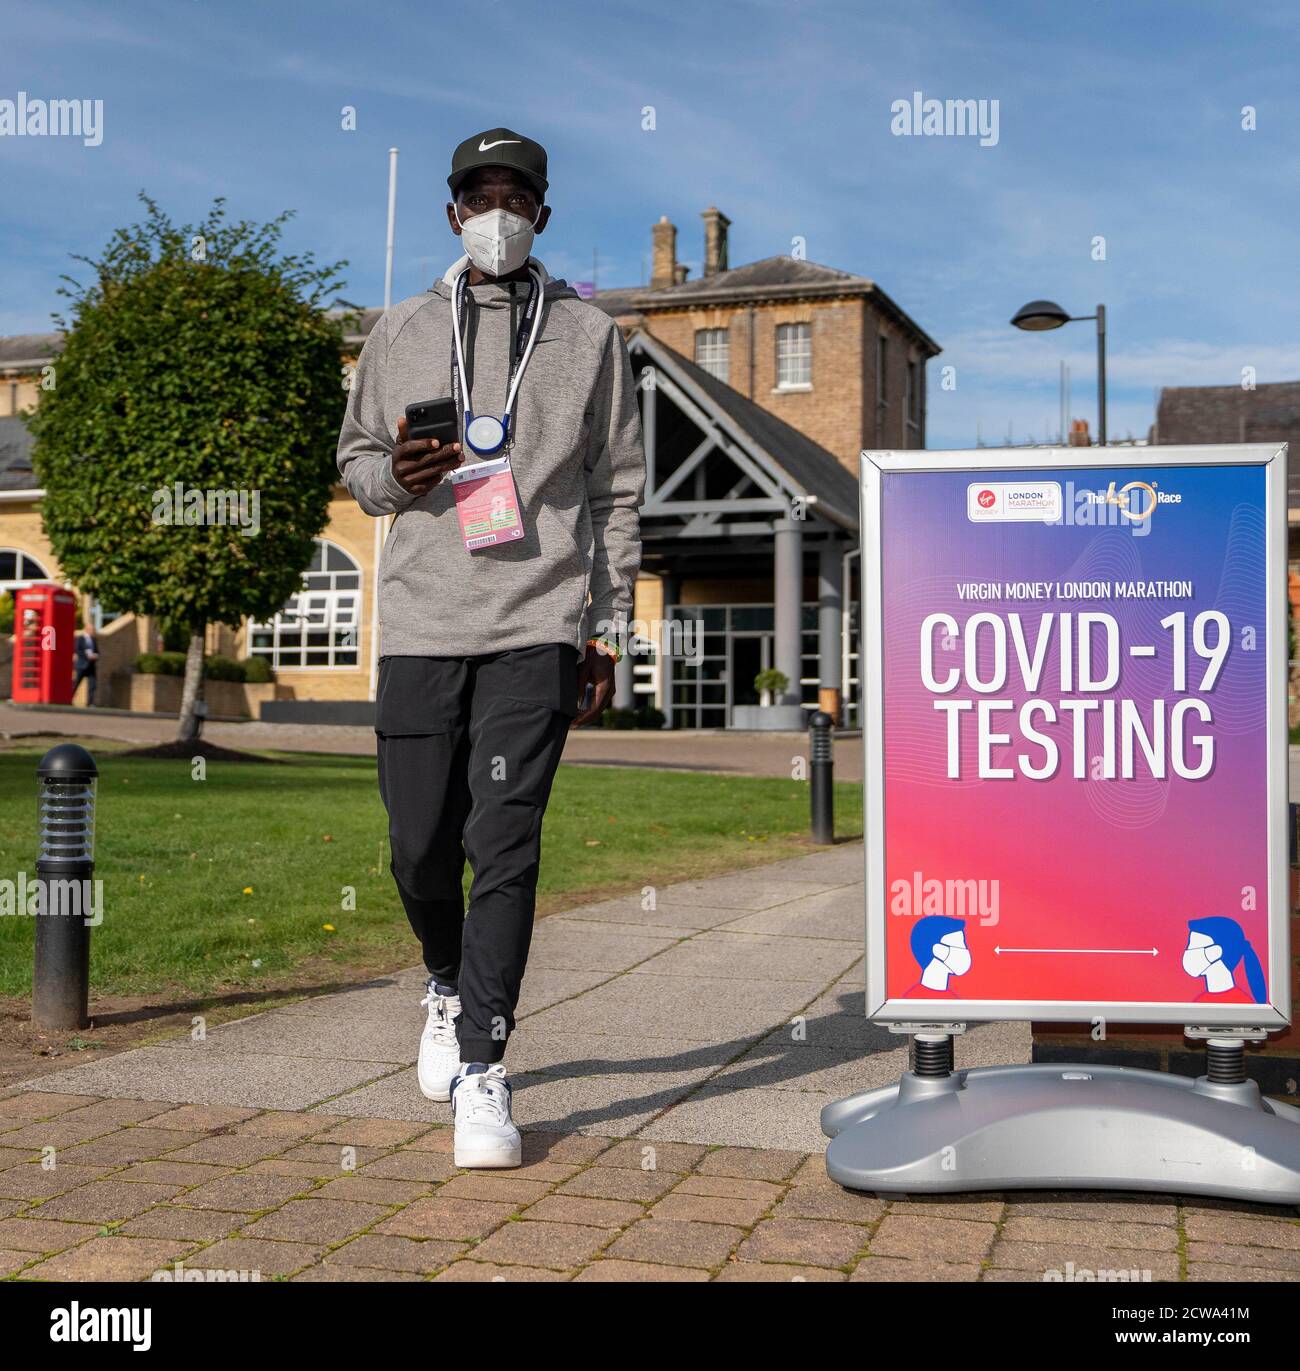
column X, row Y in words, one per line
column 381, row 523
column 392, row 217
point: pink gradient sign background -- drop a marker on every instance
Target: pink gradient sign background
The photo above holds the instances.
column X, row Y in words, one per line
column 1092, row 874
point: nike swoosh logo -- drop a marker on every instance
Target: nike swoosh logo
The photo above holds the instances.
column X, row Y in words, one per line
column 487, row 147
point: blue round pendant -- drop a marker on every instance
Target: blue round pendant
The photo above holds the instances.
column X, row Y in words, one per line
column 484, row 433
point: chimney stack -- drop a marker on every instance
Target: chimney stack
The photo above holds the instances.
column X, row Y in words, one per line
column 716, row 225
column 663, row 258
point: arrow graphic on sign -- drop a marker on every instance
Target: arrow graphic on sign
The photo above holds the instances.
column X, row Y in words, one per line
column 1088, row 951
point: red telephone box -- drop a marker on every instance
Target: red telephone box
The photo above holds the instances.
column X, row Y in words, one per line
column 45, row 631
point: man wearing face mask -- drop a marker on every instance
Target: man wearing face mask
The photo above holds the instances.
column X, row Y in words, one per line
column 506, row 585
column 938, row 943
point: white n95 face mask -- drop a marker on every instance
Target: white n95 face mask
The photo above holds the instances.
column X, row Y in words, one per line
column 498, row 242
column 1197, row 960
column 956, row 959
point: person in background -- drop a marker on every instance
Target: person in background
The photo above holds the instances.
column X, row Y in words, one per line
column 86, row 662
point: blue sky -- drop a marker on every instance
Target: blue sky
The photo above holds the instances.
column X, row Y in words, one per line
column 1120, row 120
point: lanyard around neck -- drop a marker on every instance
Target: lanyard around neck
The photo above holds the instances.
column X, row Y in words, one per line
column 525, row 339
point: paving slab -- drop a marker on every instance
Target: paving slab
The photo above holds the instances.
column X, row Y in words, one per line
column 838, row 1019
column 341, row 1037
column 677, row 918
column 844, row 862
column 610, row 1105
column 838, row 914
column 19, row 1108
column 376, row 998
column 535, row 1048
column 259, row 1081
column 746, row 1118
column 707, row 1008
column 110, row 1259
column 753, row 957
column 994, row 1044
column 562, row 944
column 778, row 1063
column 543, row 988
column 394, row 1096
column 30, row 1181
column 744, row 890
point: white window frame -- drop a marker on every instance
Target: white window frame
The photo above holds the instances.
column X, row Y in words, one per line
column 320, row 606
column 24, row 562
column 794, row 356
column 713, row 353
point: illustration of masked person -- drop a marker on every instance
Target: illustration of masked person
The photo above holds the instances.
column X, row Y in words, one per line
column 939, row 946
column 1215, row 949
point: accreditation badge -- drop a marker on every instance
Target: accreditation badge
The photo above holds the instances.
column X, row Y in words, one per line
column 487, row 503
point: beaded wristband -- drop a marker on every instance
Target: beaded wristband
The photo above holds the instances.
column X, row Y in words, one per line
column 611, row 649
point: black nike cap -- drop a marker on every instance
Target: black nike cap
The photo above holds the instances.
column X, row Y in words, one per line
column 499, row 148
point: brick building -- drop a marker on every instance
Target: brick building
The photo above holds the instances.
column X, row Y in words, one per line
column 1229, row 414
column 826, row 351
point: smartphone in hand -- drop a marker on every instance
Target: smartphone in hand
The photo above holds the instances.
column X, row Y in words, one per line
column 433, row 419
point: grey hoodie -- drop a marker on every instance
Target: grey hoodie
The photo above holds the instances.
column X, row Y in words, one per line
column 578, row 464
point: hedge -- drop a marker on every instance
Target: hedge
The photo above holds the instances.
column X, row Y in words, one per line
column 253, row 670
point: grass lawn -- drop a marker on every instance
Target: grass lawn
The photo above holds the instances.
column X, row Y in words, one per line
column 243, row 877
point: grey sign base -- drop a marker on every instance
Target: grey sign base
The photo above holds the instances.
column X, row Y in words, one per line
column 1052, row 1127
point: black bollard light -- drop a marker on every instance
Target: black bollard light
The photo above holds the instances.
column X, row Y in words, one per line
column 821, row 756
column 65, row 863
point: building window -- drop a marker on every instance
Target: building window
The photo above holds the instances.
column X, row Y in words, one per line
column 882, row 369
column 913, row 401
column 100, row 616
column 19, row 569
column 794, row 356
column 713, row 352
column 319, row 626
column 712, row 670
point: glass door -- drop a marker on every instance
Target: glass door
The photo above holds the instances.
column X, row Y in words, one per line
column 750, row 653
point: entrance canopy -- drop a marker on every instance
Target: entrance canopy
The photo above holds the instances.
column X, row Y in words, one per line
column 735, row 498
column 722, row 472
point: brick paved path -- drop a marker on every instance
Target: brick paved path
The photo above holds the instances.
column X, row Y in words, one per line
column 669, row 1069
column 143, row 1184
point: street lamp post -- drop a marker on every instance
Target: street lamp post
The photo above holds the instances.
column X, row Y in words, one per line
column 1040, row 315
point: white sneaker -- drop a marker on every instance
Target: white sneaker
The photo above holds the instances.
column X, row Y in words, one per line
column 439, row 1052
column 485, row 1133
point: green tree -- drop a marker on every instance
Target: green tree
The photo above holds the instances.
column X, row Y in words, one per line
column 200, row 363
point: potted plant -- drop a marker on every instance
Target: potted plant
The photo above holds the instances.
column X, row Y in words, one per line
column 770, row 683
column 772, row 713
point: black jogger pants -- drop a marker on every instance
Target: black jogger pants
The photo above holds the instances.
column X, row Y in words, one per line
column 468, row 748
